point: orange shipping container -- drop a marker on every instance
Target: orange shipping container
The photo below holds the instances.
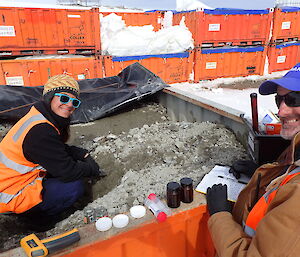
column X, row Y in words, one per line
column 212, row 63
column 35, row 72
column 172, row 68
column 283, row 56
column 286, row 24
column 225, row 26
column 49, row 31
column 140, row 18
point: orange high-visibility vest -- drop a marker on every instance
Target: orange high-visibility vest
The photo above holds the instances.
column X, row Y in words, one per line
column 260, row 208
column 20, row 179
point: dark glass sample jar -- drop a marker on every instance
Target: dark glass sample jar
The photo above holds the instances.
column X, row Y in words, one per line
column 173, row 194
column 187, row 192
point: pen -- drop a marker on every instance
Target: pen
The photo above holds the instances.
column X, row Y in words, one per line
column 239, row 181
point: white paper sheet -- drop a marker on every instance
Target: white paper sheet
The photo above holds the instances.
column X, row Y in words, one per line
column 220, row 175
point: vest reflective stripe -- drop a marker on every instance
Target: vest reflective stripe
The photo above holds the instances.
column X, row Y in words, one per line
column 6, row 198
column 267, row 194
column 260, row 208
column 16, row 166
column 248, row 230
column 21, row 179
column 25, row 125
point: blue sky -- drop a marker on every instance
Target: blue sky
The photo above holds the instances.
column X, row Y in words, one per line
column 171, row 4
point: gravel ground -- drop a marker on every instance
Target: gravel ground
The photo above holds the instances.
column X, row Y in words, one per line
column 141, row 150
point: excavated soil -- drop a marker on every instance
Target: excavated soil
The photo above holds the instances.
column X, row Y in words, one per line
column 141, row 150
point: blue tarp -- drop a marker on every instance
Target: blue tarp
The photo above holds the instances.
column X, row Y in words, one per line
column 223, row 11
column 161, row 11
column 289, row 9
column 232, row 50
column 141, row 57
column 185, row 11
column 231, row 11
column 288, row 44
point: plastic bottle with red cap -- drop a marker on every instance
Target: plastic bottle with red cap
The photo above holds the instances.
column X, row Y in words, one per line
column 159, row 209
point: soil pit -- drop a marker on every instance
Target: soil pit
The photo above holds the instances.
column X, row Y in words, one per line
column 141, row 150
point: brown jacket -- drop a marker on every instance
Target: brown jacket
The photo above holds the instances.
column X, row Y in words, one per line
column 278, row 233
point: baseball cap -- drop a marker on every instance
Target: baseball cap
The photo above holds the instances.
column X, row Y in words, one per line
column 291, row 81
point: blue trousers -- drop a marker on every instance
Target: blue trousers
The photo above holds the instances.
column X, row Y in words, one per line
column 58, row 196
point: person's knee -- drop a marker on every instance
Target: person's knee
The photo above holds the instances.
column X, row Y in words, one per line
column 78, row 188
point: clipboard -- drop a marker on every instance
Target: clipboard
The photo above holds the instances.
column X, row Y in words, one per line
column 220, row 175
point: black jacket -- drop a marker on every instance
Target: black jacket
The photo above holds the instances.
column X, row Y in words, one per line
column 43, row 145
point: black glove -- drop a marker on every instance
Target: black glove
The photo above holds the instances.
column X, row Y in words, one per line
column 76, row 152
column 95, row 170
column 246, row 167
column 216, row 198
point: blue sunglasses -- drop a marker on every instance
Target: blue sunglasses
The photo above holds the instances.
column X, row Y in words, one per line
column 64, row 99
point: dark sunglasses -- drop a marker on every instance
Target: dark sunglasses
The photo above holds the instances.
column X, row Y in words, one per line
column 64, row 99
column 291, row 99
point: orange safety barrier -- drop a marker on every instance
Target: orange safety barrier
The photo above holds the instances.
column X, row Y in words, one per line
column 284, row 56
column 227, row 26
column 24, row 31
column 172, row 68
column 212, row 63
column 35, row 72
column 286, row 24
column 140, row 18
column 185, row 234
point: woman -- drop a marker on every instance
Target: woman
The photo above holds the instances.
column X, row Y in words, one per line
column 40, row 175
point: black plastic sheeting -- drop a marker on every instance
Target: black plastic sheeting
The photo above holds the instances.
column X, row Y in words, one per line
column 100, row 96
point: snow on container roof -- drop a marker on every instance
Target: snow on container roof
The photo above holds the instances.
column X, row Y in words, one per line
column 39, row 5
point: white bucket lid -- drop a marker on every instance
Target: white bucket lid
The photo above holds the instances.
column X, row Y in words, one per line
column 137, row 211
column 103, row 224
column 120, row 221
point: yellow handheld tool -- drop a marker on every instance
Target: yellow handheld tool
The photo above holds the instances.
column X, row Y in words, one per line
column 35, row 247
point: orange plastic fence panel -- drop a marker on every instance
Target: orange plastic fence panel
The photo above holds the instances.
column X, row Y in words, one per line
column 286, row 24
column 228, row 26
column 172, row 68
column 228, row 62
column 184, row 234
column 35, row 72
column 283, row 57
column 140, row 18
column 44, row 28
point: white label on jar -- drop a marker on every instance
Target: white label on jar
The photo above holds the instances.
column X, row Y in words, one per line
column 214, row 27
column 73, row 16
column 7, row 31
column 81, row 76
column 14, row 81
column 281, row 59
column 211, row 65
column 286, row 25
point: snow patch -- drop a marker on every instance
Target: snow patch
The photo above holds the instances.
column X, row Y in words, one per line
column 121, row 40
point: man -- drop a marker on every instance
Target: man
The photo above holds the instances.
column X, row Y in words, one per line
column 265, row 220
column 40, row 175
